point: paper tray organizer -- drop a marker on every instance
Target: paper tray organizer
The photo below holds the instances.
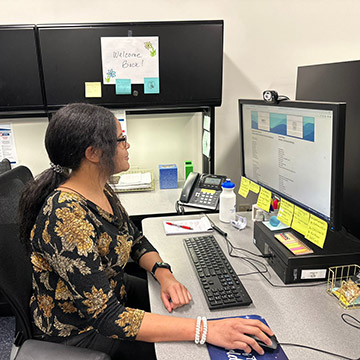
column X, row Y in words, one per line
column 337, row 276
column 136, row 186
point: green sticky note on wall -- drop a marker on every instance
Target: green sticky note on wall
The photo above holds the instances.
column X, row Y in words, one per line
column 123, row 87
column 151, row 86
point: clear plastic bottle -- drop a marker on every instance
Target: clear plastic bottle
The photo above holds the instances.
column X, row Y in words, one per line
column 227, row 203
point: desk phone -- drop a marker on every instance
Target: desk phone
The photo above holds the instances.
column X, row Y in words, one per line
column 202, row 190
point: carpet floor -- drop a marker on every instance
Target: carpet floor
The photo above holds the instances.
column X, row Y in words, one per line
column 7, row 332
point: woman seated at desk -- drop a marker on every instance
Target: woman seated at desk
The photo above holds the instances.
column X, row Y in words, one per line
column 79, row 238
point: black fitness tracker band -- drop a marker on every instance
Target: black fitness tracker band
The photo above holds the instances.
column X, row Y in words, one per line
column 160, row 264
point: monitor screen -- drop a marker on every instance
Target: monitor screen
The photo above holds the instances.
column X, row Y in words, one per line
column 295, row 149
column 336, row 82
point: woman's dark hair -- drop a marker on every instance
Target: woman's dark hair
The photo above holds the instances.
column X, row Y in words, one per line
column 70, row 132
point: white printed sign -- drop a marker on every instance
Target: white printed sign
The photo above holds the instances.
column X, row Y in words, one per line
column 7, row 143
column 133, row 58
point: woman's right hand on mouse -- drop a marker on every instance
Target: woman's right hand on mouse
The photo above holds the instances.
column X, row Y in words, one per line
column 231, row 333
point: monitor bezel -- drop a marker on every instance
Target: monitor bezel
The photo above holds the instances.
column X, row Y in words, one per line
column 337, row 164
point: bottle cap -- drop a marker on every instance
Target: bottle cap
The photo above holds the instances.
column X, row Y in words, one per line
column 228, row 184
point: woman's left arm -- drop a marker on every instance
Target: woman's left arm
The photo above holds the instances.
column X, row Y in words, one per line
column 173, row 293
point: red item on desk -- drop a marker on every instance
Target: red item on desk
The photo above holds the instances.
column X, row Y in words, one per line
column 180, row 226
column 275, row 204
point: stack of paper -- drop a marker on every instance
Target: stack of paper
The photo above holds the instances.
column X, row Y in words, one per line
column 182, row 226
column 133, row 181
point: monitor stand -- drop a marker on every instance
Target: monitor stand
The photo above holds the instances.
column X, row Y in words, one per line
column 339, row 249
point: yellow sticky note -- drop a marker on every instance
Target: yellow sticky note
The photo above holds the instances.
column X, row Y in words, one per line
column 286, row 212
column 93, row 89
column 254, row 187
column 264, row 199
column 300, row 221
column 317, row 230
column 244, row 187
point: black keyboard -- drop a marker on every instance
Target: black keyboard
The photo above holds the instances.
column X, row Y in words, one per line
column 219, row 282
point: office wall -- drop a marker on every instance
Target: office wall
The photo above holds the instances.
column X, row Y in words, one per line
column 265, row 41
column 165, row 139
column 154, row 140
column 29, row 137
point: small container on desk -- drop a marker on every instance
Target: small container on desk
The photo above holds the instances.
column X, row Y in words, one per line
column 188, row 168
column 342, row 284
column 168, row 176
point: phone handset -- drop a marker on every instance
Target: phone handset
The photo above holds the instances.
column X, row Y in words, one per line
column 189, row 185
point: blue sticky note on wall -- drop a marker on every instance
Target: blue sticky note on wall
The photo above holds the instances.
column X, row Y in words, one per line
column 151, row 86
column 123, row 87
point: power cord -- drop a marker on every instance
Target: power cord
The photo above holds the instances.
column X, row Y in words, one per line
column 356, row 326
column 231, row 248
column 344, row 317
column 318, row 350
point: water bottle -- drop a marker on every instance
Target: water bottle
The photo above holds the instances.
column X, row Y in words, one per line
column 227, row 202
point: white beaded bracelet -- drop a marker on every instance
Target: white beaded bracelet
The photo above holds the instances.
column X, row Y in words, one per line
column 197, row 331
column 203, row 337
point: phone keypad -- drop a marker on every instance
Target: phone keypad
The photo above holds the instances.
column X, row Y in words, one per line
column 208, row 198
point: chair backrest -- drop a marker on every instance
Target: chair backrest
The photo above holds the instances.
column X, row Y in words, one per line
column 11, row 185
column 15, row 266
column 5, row 165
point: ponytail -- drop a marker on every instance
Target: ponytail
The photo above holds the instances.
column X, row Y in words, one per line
column 32, row 199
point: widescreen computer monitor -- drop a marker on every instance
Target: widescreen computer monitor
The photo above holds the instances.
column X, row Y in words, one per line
column 296, row 149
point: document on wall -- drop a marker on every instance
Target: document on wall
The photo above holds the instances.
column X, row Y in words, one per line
column 7, row 144
column 206, row 143
column 130, row 58
column 121, row 116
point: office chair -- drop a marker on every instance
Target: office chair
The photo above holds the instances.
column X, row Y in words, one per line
column 10, row 191
column 16, row 278
column 4, row 165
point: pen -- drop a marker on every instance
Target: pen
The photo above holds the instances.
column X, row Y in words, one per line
column 180, row 226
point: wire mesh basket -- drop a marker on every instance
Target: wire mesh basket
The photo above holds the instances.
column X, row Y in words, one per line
column 342, row 284
column 131, row 187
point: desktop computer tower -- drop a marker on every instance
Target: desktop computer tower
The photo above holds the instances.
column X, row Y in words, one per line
column 339, row 249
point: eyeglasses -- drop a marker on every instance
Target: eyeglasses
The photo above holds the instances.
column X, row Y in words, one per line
column 122, row 139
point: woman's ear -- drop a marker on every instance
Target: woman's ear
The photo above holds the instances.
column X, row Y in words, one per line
column 93, row 154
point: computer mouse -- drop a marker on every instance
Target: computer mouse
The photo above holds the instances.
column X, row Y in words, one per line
column 265, row 347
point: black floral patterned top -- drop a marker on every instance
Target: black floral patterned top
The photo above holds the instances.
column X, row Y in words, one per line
column 79, row 252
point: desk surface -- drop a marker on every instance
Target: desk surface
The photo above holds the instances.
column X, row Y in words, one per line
column 158, row 201
column 305, row 315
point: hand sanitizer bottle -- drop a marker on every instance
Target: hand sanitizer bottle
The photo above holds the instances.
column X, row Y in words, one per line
column 227, row 202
